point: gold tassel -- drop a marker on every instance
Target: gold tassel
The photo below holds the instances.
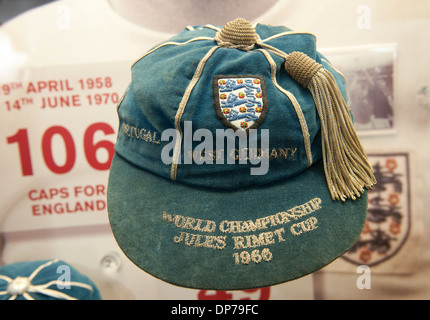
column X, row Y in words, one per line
column 346, row 166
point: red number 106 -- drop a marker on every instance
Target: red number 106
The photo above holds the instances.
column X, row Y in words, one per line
column 90, row 148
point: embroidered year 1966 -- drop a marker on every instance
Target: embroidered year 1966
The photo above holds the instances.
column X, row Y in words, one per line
column 250, row 240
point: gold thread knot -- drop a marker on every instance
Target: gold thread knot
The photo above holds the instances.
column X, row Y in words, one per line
column 301, row 67
column 238, row 34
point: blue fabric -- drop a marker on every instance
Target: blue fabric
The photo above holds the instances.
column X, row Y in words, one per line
column 55, row 270
column 152, row 102
column 176, row 230
column 137, row 199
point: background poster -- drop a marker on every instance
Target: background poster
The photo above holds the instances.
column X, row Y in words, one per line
column 369, row 74
column 387, row 243
column 58, row 130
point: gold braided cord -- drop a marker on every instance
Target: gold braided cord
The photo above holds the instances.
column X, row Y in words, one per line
column 296, row 105
column 230, row 45
column 346, row 166
column 301, row 68
column 237, row 34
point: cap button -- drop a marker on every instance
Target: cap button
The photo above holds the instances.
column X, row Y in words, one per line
column 237, row 34
column 18, row 286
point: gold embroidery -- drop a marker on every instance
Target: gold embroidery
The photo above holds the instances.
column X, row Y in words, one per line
column 262, row 239
column 189, row 223
column 279, row 218
column 140, row 133
column 255, row 256
column 304, row 226
column 243, row 154
column 245, row 242
column 202, row 241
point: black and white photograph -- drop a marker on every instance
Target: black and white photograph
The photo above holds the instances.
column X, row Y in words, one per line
column 370, row 73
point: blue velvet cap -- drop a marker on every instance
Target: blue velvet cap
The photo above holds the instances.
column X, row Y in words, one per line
column 195, row 211
column 45, row 280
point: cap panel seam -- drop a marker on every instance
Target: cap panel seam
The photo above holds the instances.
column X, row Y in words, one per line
column 181, row 110
column 287, row 33
column 171, row 43
column 208, row 26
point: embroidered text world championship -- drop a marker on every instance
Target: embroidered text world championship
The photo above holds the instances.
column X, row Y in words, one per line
column 237, row 164
column 248, row 234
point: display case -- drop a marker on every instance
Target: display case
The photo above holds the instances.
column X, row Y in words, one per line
column 66, row 66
